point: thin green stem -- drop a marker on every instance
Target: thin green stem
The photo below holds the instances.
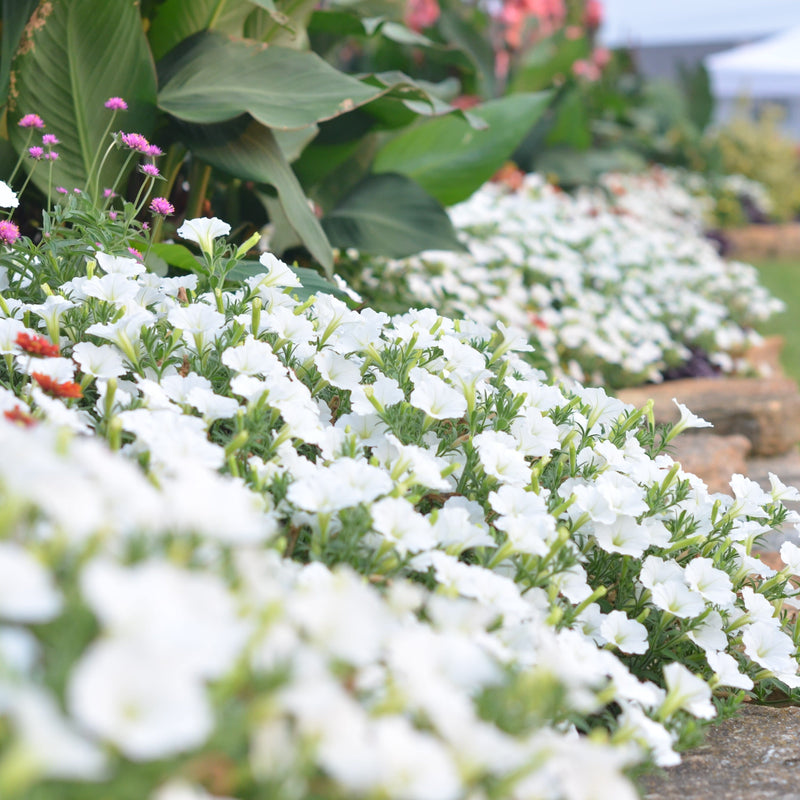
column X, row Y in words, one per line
column 19, row 159
column 90, row 174
column 93, row 190
column 29, row 176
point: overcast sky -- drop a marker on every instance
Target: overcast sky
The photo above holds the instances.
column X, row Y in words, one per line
column 643, row 22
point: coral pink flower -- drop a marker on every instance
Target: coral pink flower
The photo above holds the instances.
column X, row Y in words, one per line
column 19, row 416
column 600, row 57
column 421, row 14
column 55, row 389
column 593, row 15
column 36, row 345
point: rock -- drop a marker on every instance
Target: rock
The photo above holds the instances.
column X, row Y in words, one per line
column 787, row 468
column 766, row 357
column 765, row 410
column 753, row 756
column 713, row 458
column 757, row 242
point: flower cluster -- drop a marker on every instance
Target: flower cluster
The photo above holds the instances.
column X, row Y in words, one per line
column 616, row 284
column 345, row 554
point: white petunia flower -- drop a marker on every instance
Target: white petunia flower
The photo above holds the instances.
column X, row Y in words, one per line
column 337, row 370
column 685, row 690
column 277, row 273
column 781, row 492
column 199, row 323
column 500, row 458
column 119, row 265
column 141, row 703
column 203, row 231
column 678, row 599
column 768, row 646
column 687, row 420
column 100, row 361
column 27, row 590
column 400, row 524
column 8, row 197
column 624, row 535
column 252, row 357
column 435, row 397
column 790, row 555
column 49, row 743
column 625, row 634
column 712, row 583
column 726, row 671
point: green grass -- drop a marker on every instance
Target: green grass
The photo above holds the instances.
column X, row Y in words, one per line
column 782, row 278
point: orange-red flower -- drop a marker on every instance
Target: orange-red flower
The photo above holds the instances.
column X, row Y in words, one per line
column 37, row 345
column 19, row 416
column 53, row 387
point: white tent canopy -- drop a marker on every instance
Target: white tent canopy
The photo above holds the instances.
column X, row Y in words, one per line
column 768, row 69
column 646, row 23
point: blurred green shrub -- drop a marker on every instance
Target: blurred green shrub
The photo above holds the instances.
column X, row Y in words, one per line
column 760, row 151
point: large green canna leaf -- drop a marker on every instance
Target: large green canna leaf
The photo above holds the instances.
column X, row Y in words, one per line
column 390, row 215
column 82, row 53
column 284, row 24
column 548, row 59
column 449, row 159
column 177, row 20
column 251, row 152
column 214, row 79
column 16, row 14
column 571, row 124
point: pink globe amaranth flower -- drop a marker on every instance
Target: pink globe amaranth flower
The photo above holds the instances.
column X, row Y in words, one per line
column 9, row 232
column 153, row 150
column 36, row 152
column 151, row 170
column 50, row 139
column 31, row 121
column 109, row 193
column 61, row 190
column 116, row 104
column 135, row 253
column 161, row 206
column 51, row 156
column 112, row 215
column 135, row 141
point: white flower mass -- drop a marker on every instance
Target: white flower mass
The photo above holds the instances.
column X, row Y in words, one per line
column 612, row 285
column 303, row 549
